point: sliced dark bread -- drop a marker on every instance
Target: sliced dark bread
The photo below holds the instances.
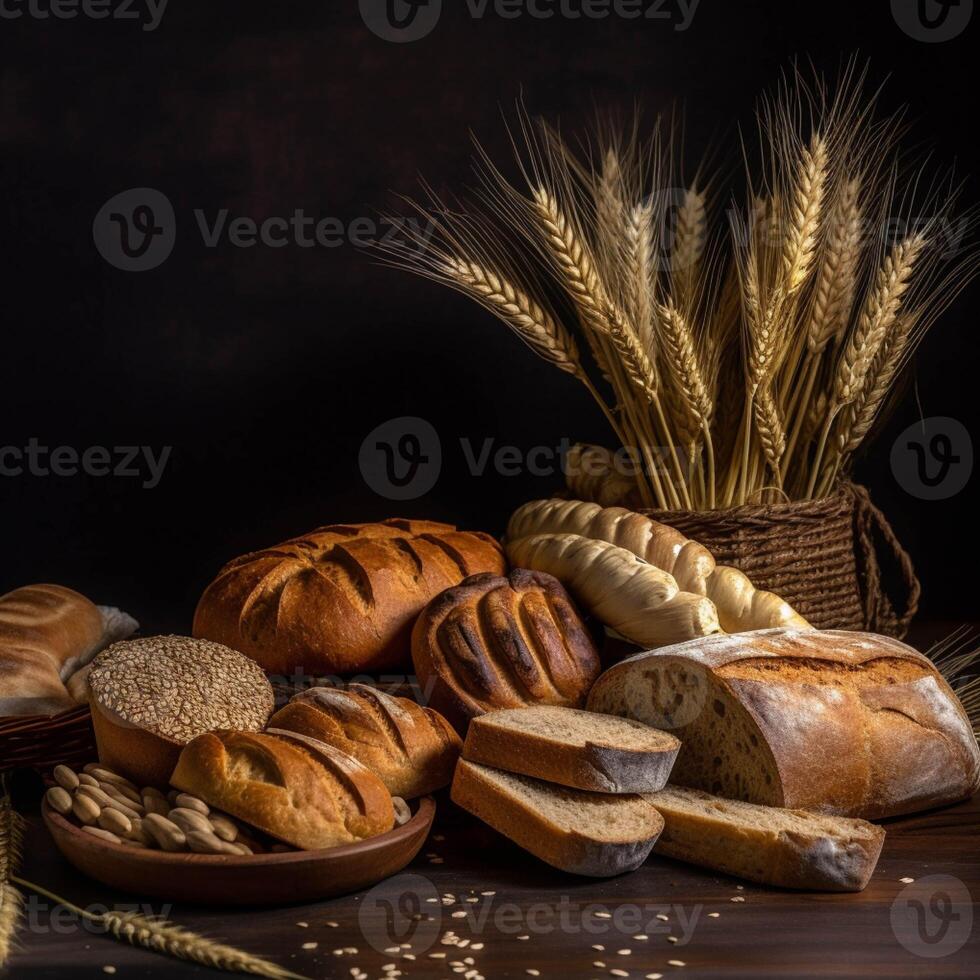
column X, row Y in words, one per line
column 594, row 834
column 581, row 749
column 769, row 845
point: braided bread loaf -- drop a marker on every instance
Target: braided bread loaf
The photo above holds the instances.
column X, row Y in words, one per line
column 495, row 642
column 740, row 605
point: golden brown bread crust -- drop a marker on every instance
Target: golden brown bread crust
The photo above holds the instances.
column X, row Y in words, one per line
column 294, row 788
column 413, row 749
column 342, row 598
column 43, row 627
column 847, row 723
column 503, row 642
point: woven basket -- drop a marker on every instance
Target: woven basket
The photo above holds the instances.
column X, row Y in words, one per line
column 43, row 741
column 836, row 560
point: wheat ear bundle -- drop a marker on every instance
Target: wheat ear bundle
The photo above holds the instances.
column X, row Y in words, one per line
column 11, row 899
column 737, row 361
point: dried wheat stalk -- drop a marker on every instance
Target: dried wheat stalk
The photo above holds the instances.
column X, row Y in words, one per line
column 11, row 899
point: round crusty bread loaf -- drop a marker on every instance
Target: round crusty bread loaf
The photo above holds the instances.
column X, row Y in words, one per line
column 503, row 642
column 341, row 599
column 413, row 749
column 43, row 628
column 150, row 697
column 294, row 788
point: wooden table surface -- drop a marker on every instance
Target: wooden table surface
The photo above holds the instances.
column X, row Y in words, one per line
column 520, row 915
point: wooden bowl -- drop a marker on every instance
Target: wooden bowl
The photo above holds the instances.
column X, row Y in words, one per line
column 260, row 879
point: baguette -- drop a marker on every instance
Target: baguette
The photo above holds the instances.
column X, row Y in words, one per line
column 595, row 834
column 851, row 724
column 580, row 749
column 768, row 845
column 638, row 600
column 740, row 605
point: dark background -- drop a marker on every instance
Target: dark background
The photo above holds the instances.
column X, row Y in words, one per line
column 265, row 368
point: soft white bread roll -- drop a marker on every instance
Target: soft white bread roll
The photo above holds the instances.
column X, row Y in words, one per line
column 740, row 605
column 43, row 627
column 636, row 599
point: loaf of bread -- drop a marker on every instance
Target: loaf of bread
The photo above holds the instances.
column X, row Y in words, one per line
column 638, row 600
column 47, row 632
column 768, row 845
column 595, row 834
column 341, row 599
column 150, row 697
column 844, row 723
column 413, row 749
column 581, row 749
column 503, row 642
column 292, row 787
column 740, row 605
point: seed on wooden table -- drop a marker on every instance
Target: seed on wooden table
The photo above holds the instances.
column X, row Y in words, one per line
column 65, row 777
column 224, row 827
column 115, row 822
column 192, row 803
column 85, row 809
column 102, row 834
column 59, row 800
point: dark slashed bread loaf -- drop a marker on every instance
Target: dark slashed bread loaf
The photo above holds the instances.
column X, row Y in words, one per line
column 292, row 787
column 503, row 642
column 341, row 599
column 838, row 722
column 413, row 749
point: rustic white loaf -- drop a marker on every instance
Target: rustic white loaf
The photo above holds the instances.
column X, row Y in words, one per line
column 740, row 605
column 846, row 723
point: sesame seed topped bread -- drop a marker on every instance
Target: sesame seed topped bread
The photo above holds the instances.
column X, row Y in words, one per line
column 838, row 722
column 503, row 642
column 151, row 696
column 413, row 749
column 341, row 599
column 295, row 788
column 740, row 605
column 768, row 845
column 595, row 834
column 581, row 749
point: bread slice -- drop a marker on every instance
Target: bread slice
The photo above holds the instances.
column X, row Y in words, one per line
column 594, row 834
column 788, row 848
column 581, row 749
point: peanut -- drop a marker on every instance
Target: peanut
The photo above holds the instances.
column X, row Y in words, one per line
column 85, row 809
column 242, row 849
column 108, row 776
column 104, row 799
column 138, row 833
column 166, row 833
column 402, row 812
column 115, row 822
column 188, row 802
column 224, row 827
column 114, row 792
column 86, row 780
column 132, row 842
column 189, row 820
column 59, row 800
column 65, row 778
column 102, row 834
column 155, row 802
column 202, row 842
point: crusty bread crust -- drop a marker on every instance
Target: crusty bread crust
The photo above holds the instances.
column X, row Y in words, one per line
column 847, row 723
column 502, row 642
column 413, row 749
column 294, row 788
column 341, row 599
column 785, row 848
column 571, row 849
column 594, row 760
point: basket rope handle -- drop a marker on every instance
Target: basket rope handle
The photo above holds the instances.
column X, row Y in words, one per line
column 870, row 524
